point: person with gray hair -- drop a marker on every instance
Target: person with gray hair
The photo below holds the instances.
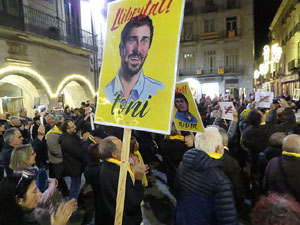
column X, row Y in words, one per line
column 282, row 173
column 12, row 138
column 110, row 152
column 15, row 121
column 51, row 121
column 204, row 194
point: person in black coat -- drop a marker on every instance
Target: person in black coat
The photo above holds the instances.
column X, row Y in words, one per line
column 71, row 147
column 172, row 150
column 282, row 173
column 203, row 192
column 110, row 152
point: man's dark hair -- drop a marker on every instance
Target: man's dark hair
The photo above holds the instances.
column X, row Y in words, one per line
column 65, row 126
column 179, row 95
column 137, row 21
column 93, row 152
column 254, row 117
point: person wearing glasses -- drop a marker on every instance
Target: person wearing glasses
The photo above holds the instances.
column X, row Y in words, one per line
column 12, row 138
column 23, row 160
column 18, row 203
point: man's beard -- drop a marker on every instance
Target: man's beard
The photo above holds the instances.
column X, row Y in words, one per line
column 132, row 71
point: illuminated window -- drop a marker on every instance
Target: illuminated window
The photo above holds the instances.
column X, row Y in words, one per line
column 189, row 61
column 231, row 26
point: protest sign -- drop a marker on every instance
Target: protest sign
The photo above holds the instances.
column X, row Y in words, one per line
column 227, row 110
column 139, row 65
column 264, row 99
column 185, row 115
column 296, row 95
column 42, row 108
column 138, row 72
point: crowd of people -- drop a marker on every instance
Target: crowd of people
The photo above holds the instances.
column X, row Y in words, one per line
column 242, row 171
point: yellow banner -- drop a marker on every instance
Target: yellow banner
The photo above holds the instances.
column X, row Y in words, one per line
column 138, row 75
column 186, row 115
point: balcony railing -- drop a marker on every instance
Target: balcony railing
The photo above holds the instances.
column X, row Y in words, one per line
column 208, row 9
column 232, row 33
column 209, row 35
column 40, row 23
column 203, row 71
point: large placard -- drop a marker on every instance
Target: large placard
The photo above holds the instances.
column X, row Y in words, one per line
column 137, row 80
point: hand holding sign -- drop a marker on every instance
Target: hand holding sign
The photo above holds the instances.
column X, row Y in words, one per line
column 283, row 103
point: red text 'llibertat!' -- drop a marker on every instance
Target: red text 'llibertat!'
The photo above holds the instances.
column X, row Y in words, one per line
column 152, row 8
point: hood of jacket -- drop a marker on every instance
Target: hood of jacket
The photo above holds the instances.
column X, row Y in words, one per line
column 198, row 160
column 53, row 130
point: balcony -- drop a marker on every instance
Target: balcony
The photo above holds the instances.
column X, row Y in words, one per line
column 208, row 9
column 188, row 38
column 208, row 71
column 209, row 35
column 39, row 23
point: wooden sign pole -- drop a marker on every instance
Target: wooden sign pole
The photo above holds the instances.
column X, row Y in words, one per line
column 122, row 177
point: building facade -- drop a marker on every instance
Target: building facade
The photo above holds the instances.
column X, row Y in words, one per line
column 281, row 76
column 46, row 56
column 217, row 45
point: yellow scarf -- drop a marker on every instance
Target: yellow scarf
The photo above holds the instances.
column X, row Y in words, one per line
column 291, row 154
column 117, row 162
column 53, row 130
column 177, row 137
column 138, row 154
column 215, row 155
column 226, row 148
column 92, row 140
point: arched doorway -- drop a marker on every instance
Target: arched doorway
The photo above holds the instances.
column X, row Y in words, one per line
column 74, row 93
column 17, row 92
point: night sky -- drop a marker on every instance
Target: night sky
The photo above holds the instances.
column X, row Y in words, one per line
column 264, row 12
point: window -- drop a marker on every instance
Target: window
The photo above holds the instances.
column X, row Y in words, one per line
column 231, row 59
column 210, row 61
column 231, row 26
column 189, row 61
column 188, row 31
column 188, row 9
column 209, row 2
column 231, row 4
column 13, row 7
column 209, row 26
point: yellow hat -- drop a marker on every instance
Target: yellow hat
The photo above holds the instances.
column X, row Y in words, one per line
column 245, row 113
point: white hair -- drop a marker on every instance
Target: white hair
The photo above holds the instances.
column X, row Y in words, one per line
column 209, row 140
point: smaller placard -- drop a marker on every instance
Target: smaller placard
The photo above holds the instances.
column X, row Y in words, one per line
column 227, row 110
column 296, row 95
column 264, row 99
column 42, row 108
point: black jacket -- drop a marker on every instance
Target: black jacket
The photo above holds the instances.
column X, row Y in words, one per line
column 71, row 147
column 172, row 152
column 204, row 194
column 232, row 170
column 6, row 154
column 255, row 139
column 284, row 181
column 109, row 176
column 92, row 177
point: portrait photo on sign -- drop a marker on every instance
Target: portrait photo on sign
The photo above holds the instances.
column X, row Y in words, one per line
column 138, row 74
